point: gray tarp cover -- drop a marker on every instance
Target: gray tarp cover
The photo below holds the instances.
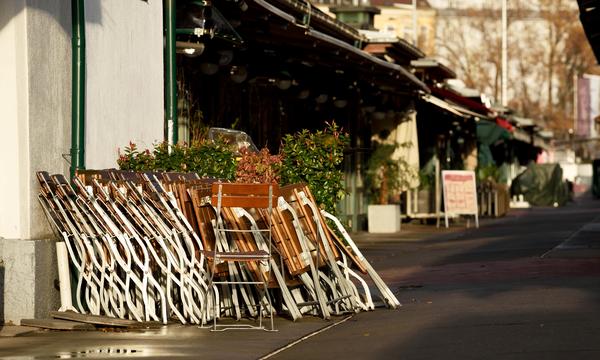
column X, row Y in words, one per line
column 596, row 178
column 541, row 185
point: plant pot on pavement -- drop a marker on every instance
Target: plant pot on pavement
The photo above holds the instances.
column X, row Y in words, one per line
column 425, row 201
column 384, row 218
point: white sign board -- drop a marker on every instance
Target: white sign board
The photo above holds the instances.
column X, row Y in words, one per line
column 460, row 193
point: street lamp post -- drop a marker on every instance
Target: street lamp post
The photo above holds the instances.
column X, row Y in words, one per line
column 414, row 22
column 504, row 53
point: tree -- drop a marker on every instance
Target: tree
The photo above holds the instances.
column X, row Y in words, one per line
column 546, row 48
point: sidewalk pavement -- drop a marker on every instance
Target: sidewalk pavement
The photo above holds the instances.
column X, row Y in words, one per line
column 15, row 330
column 394, row 256
column 288, row 331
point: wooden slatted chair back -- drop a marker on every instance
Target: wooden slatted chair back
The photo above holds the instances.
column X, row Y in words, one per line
column 86, row 176
column 245, row 195
column 334, row 239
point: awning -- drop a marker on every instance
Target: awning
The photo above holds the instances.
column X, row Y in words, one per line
column 304, row 11
column 504, row 123
column 589, row 14
column 521, row 135
column 472, row 105
column 523, row 122
column 453, row 108
column 442, row 104
column 434, row 68
column 379, row 69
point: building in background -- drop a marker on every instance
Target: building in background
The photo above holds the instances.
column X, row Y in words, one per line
column 391, row 17
column 397, row 17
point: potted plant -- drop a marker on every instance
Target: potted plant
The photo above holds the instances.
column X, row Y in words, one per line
column 386, row 178
column 426, row 191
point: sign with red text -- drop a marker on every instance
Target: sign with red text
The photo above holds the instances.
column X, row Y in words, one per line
column 460, row 192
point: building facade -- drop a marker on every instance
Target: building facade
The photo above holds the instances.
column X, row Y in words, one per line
column 124, row 103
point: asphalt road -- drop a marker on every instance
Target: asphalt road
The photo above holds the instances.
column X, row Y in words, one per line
column 522, row 287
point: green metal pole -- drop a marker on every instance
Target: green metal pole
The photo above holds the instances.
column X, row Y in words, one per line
column 170, row 72
column 78, row 87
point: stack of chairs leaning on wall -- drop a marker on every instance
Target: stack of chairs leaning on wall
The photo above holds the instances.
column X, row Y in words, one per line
column 152, row 246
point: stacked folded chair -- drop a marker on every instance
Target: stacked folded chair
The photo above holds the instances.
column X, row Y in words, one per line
column 160, row 246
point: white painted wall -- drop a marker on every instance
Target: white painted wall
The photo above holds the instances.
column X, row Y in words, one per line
column 34, row 108
column 125, row 102
column 35, row 118
column 49, row 99
column 124, row 77
column 13, row 113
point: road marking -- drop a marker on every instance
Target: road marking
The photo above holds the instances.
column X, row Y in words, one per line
column 306, row 337
column 563, row 245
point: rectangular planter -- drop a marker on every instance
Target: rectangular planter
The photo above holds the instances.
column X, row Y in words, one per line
column 384, row 218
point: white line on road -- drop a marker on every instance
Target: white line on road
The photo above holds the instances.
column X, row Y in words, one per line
column 305, row 337
column 563, row 245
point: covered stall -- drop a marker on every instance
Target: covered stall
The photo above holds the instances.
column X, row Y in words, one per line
column 271, row 68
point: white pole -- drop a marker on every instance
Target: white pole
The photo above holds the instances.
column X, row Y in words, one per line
column 504, row 53
column 575, row 104
column 414, row 21
column 62, row 258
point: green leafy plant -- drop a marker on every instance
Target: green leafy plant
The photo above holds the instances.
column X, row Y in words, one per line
column 387, row 176
column 426, row 179
column 212, row 159
column 260, row 167
column 488, row 173
column 173, row 160
column 206, row 158
column 315, row 158
column 133, row 159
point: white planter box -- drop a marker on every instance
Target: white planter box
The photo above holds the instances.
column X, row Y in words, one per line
column 384, row 218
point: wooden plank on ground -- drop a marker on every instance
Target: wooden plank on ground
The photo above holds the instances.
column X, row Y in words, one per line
column 101, row 320
column 56, row 324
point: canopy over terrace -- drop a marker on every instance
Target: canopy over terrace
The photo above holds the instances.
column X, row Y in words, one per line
column 447, row 132
column 313, row 53
column 589, row 15
column 293, row 67
column 329, row 42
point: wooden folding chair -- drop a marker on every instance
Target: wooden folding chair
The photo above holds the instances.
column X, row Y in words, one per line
column 250, row 196
column 343, row 294
column 297, row 250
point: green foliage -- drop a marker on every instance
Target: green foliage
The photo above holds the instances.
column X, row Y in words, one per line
column 386, row 176
column 133, row 159
column 488, row 173
column 206, row 158
column 260, row 167
column 426, row 179
column 213, row 160
column 315, row 158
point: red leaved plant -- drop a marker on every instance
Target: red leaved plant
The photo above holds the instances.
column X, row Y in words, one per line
column 258, row 167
